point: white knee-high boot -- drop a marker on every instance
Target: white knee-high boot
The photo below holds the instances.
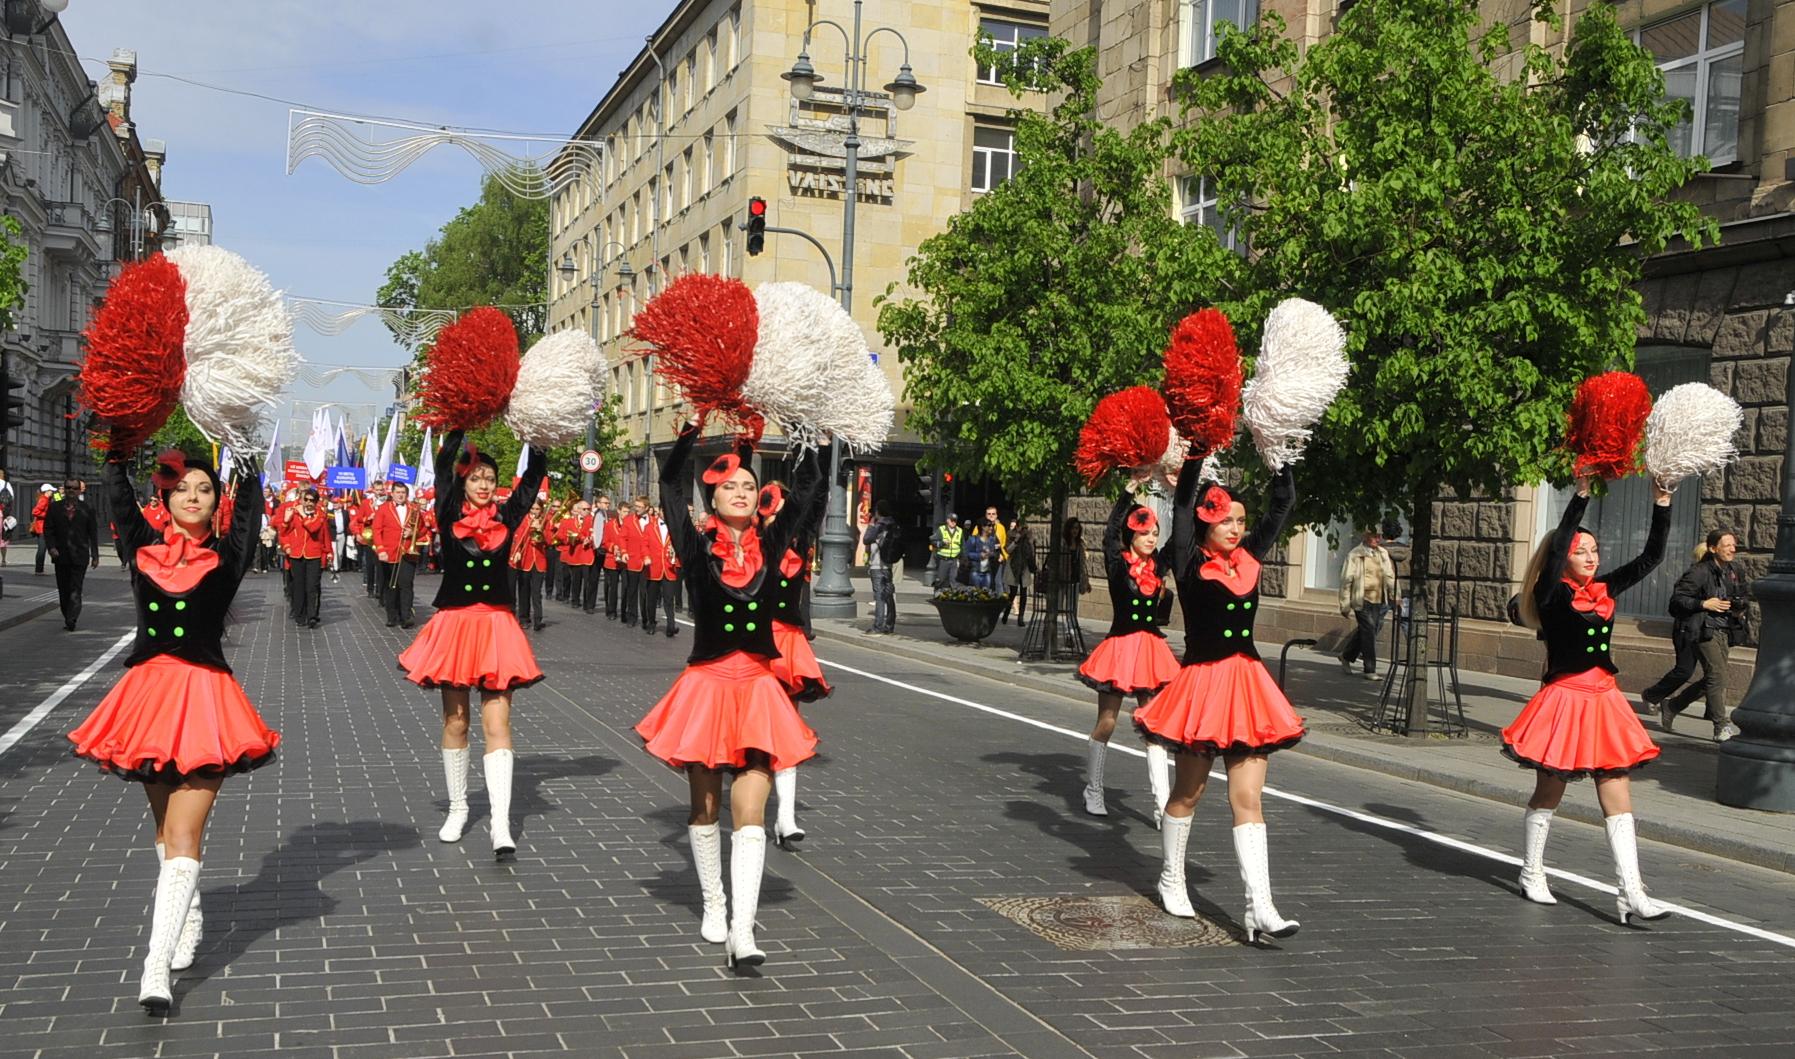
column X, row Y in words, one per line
column 1632, row 901
column 174, row 892
column 747, row 860
column 187, row 945
column 498, row 794
column 1096, row 754
column 1174, row 836
column 455, row 769
column 1255, row 871
column 1159, row 779
column 1536, row 826
column 785, row 827
column 707, row 856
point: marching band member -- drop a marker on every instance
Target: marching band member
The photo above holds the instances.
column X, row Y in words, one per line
column 309, row 551
column 529, row 557
column 574, row 537
column 473, row 640
column 613, row 553
column 401, row 528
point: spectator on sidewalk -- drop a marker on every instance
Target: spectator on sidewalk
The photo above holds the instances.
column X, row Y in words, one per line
column 72, row 534
column 1708, row 603
column 993, row 528
column 981, row 556
column 1022, row 567
column 884, row 553
column 1367, row 587
column 945, row 545
column 38, row 510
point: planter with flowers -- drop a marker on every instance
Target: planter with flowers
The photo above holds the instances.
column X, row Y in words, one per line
column 968, row 613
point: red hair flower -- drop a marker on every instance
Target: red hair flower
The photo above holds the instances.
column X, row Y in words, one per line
column 1142, row 519
column 771, row 496
column 470, row 455
column 721, row 468
column 171, row 467
column 1214, row 505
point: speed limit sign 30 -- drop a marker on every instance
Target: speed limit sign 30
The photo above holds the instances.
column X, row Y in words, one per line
column 591, row 461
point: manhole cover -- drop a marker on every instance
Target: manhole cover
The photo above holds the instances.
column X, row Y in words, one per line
column 1120, row 922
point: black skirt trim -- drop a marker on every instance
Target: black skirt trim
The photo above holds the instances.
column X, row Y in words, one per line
column 172, row 776
column 1571, row 775
column 1104, row 687
column 432, row 685
column 1207, row 748
column 812, row 690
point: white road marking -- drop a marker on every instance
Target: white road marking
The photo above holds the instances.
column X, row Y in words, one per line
column 1367, row 818
column 42, row 709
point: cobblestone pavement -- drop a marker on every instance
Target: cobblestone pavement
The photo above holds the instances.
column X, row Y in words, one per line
column 339, row 926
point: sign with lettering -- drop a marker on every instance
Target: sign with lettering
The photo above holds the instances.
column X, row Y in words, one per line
column 345, row 478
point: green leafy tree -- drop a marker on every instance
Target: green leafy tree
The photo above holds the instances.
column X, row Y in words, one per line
column 1057, row 287
column 1478, row 234
column 12, row 271
column 495, row 252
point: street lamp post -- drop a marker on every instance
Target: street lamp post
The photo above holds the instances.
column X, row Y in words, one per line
column 834, row 593
column 624, row 275
column 1757, row 767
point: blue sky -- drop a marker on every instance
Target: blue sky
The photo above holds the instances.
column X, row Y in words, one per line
column 536, row 66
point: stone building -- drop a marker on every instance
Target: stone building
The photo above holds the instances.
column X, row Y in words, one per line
column 86, row 192
column 1724, row 314
column 701, row 121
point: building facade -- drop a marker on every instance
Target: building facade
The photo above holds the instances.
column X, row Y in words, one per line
column 86, row 192
column 189, row 224
column 701, row 121
column 1724, row 314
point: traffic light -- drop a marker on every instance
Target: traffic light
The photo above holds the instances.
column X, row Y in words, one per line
column 12, row 404
column 757, row 225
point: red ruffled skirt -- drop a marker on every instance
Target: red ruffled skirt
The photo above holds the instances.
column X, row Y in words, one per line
column 796, row 667
column 168, row 719
column 1123, row 665
column 1578, row 726
column 718, row 711
column 1229, row 706
column 476, row 646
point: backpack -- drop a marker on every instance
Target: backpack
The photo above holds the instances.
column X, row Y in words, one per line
column 891, row 545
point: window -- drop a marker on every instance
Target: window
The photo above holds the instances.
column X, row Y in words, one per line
column 726, row 239
column 735, row 37
column 993, row 156
column 707, row 152
column 685, row 183
column 691, row 78
column 1322, row 563
column 728, row 146
column 1197, row 205
column 704, row 252
column 1005, row 37
column 713, row 65
column 1702, row 55
column 1198, row 33
column 672, row 84
column 667, row 193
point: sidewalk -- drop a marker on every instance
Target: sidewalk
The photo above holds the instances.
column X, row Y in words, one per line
column 28, row 595
column 1675, row 794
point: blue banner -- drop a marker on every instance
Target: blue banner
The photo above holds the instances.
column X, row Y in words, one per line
column 345, row 478
column 402, row 472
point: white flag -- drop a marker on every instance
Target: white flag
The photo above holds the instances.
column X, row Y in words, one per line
column 426, row 464
column 370, row 456
column 377, row 463
column 389, row 449
column 272, row 468
column 523, row 460
column 317, row 446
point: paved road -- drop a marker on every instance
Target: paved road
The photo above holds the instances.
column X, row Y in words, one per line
column 339, row 926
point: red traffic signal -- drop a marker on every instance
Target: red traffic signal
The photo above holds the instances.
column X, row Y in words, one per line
column 757, row 225
column 757, row 207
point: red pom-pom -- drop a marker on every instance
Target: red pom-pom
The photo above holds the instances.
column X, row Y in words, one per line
column 703, row 329
column 1202, row 380
column 470, row 371
column 131, row 378
column 1126, row 429
column 1607, row 422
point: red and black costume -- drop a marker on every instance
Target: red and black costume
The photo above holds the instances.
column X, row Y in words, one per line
column 1579, row 724
column 728, row 703
column 1133, row 656
column 797, row 666
column 473, row 640
column 178, row 711
column 1223, row 700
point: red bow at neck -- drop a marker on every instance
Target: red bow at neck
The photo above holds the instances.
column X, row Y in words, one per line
column 481, row 526
column 1592, row 595
column 1239, row 572
column 1143, row 570
column 178, row 564
column 741, row 556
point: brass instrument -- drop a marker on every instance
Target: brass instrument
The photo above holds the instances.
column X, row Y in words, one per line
column 409, row 539
column 535, row 525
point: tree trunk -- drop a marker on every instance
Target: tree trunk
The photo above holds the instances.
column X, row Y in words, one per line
column 1057, row 563
column 1413, row 695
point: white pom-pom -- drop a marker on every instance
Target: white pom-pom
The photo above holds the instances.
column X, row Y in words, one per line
column 1177, row 450
column 858, row 406
column 1301, row 368
column 801, row 330
column 556, row 389
column 239, row 342
column 1211, row 471
column 1690, row 431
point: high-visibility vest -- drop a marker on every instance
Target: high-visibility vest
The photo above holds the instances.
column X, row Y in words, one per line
column 950, row 542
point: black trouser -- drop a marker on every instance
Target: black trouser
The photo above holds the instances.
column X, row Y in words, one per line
column 70, row 577
column 613, row 582
column 306, row 591
column 564, row 583
column 552, row 577
column 1363, row 644
column 396, row 583
column 529, row 596
column 578, row 577
column 43, row 543
column 670, row 598
column 370, row 571
column 647, row 596
column 632, row 595
column 588, row 597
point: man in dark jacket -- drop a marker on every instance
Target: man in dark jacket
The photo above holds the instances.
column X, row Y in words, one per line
column 883, row 540
column 72, row 537
column 1708, row 603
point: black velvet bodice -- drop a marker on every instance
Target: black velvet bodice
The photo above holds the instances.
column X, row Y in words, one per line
column 472, row 575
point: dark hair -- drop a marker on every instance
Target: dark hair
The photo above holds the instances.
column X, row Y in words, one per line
column 1073, row 530
column 882, row 508
column 1715, row 535
column 204, row 467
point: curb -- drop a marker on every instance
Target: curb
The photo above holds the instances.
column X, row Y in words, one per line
column 1345, row 752
column 26, row 615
